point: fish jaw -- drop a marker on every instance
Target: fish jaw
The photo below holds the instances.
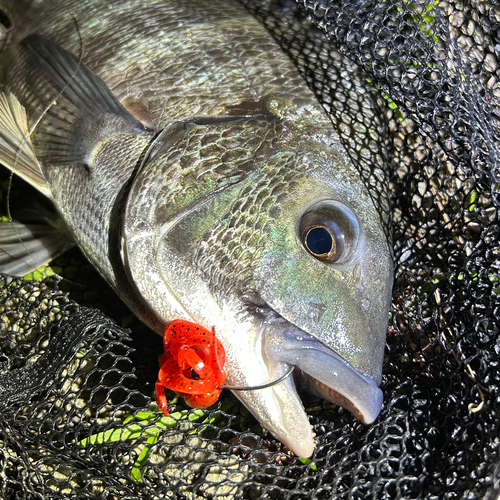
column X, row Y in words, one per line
column 278, row 408
column 324, row 372
column 280, row 411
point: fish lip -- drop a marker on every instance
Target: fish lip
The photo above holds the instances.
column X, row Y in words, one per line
column 365, row 408
column 279, row 408
column 281, row 411
column 323, row 371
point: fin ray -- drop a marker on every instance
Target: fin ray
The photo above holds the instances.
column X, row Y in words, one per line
column 75, row 108
column 26, row 247
column 16, row 151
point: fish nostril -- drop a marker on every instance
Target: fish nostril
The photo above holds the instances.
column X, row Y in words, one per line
column 316, row 310
column 356, row 275
column 253, row 298
column 6, row 21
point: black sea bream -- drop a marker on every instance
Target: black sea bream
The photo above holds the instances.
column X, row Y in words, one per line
column 196, row 170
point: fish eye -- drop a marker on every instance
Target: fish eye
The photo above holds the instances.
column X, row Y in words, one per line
column 329, row 231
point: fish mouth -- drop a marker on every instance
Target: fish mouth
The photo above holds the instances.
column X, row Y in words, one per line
column 316, row 387
column 325, row 373
column 321, row 371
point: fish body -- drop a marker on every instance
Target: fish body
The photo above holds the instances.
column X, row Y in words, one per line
column 199, row 174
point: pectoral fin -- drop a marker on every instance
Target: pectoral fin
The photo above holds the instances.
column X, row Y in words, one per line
column 70, row 109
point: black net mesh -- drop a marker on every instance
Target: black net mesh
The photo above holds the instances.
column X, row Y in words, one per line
column 77, row 419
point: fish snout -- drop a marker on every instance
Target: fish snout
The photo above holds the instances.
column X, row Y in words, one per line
column 324, row 372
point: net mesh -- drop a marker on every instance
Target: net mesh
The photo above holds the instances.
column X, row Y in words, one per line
column 413, row 81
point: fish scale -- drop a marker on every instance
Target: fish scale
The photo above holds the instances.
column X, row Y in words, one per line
column 191, row 163
column 217, row 252
column 157, row 60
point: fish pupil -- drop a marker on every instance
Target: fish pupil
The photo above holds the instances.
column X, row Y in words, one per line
column 319, row 241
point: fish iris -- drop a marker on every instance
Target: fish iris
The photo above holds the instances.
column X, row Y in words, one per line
column 319, row 241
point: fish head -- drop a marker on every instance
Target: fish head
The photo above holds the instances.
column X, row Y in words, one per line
column 261, row 227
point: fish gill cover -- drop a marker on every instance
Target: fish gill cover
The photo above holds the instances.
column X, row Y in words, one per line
column 77, row 418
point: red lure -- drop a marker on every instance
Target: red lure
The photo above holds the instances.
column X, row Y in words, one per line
column 192, row 365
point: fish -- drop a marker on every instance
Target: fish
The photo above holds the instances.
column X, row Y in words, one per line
column 196, row 170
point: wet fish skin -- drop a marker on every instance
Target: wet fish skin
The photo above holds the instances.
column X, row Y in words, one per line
column 151, row 54
column 207, row 220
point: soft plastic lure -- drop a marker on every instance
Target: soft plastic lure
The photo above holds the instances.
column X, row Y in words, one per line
column 192, row 365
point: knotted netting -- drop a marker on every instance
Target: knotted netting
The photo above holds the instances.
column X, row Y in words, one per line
column 414, row 81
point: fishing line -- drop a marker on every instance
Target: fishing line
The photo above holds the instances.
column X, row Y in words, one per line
column 71, row 78
column 257, row 387
column 6, row 25
column 30, row 132
column 9, row 215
